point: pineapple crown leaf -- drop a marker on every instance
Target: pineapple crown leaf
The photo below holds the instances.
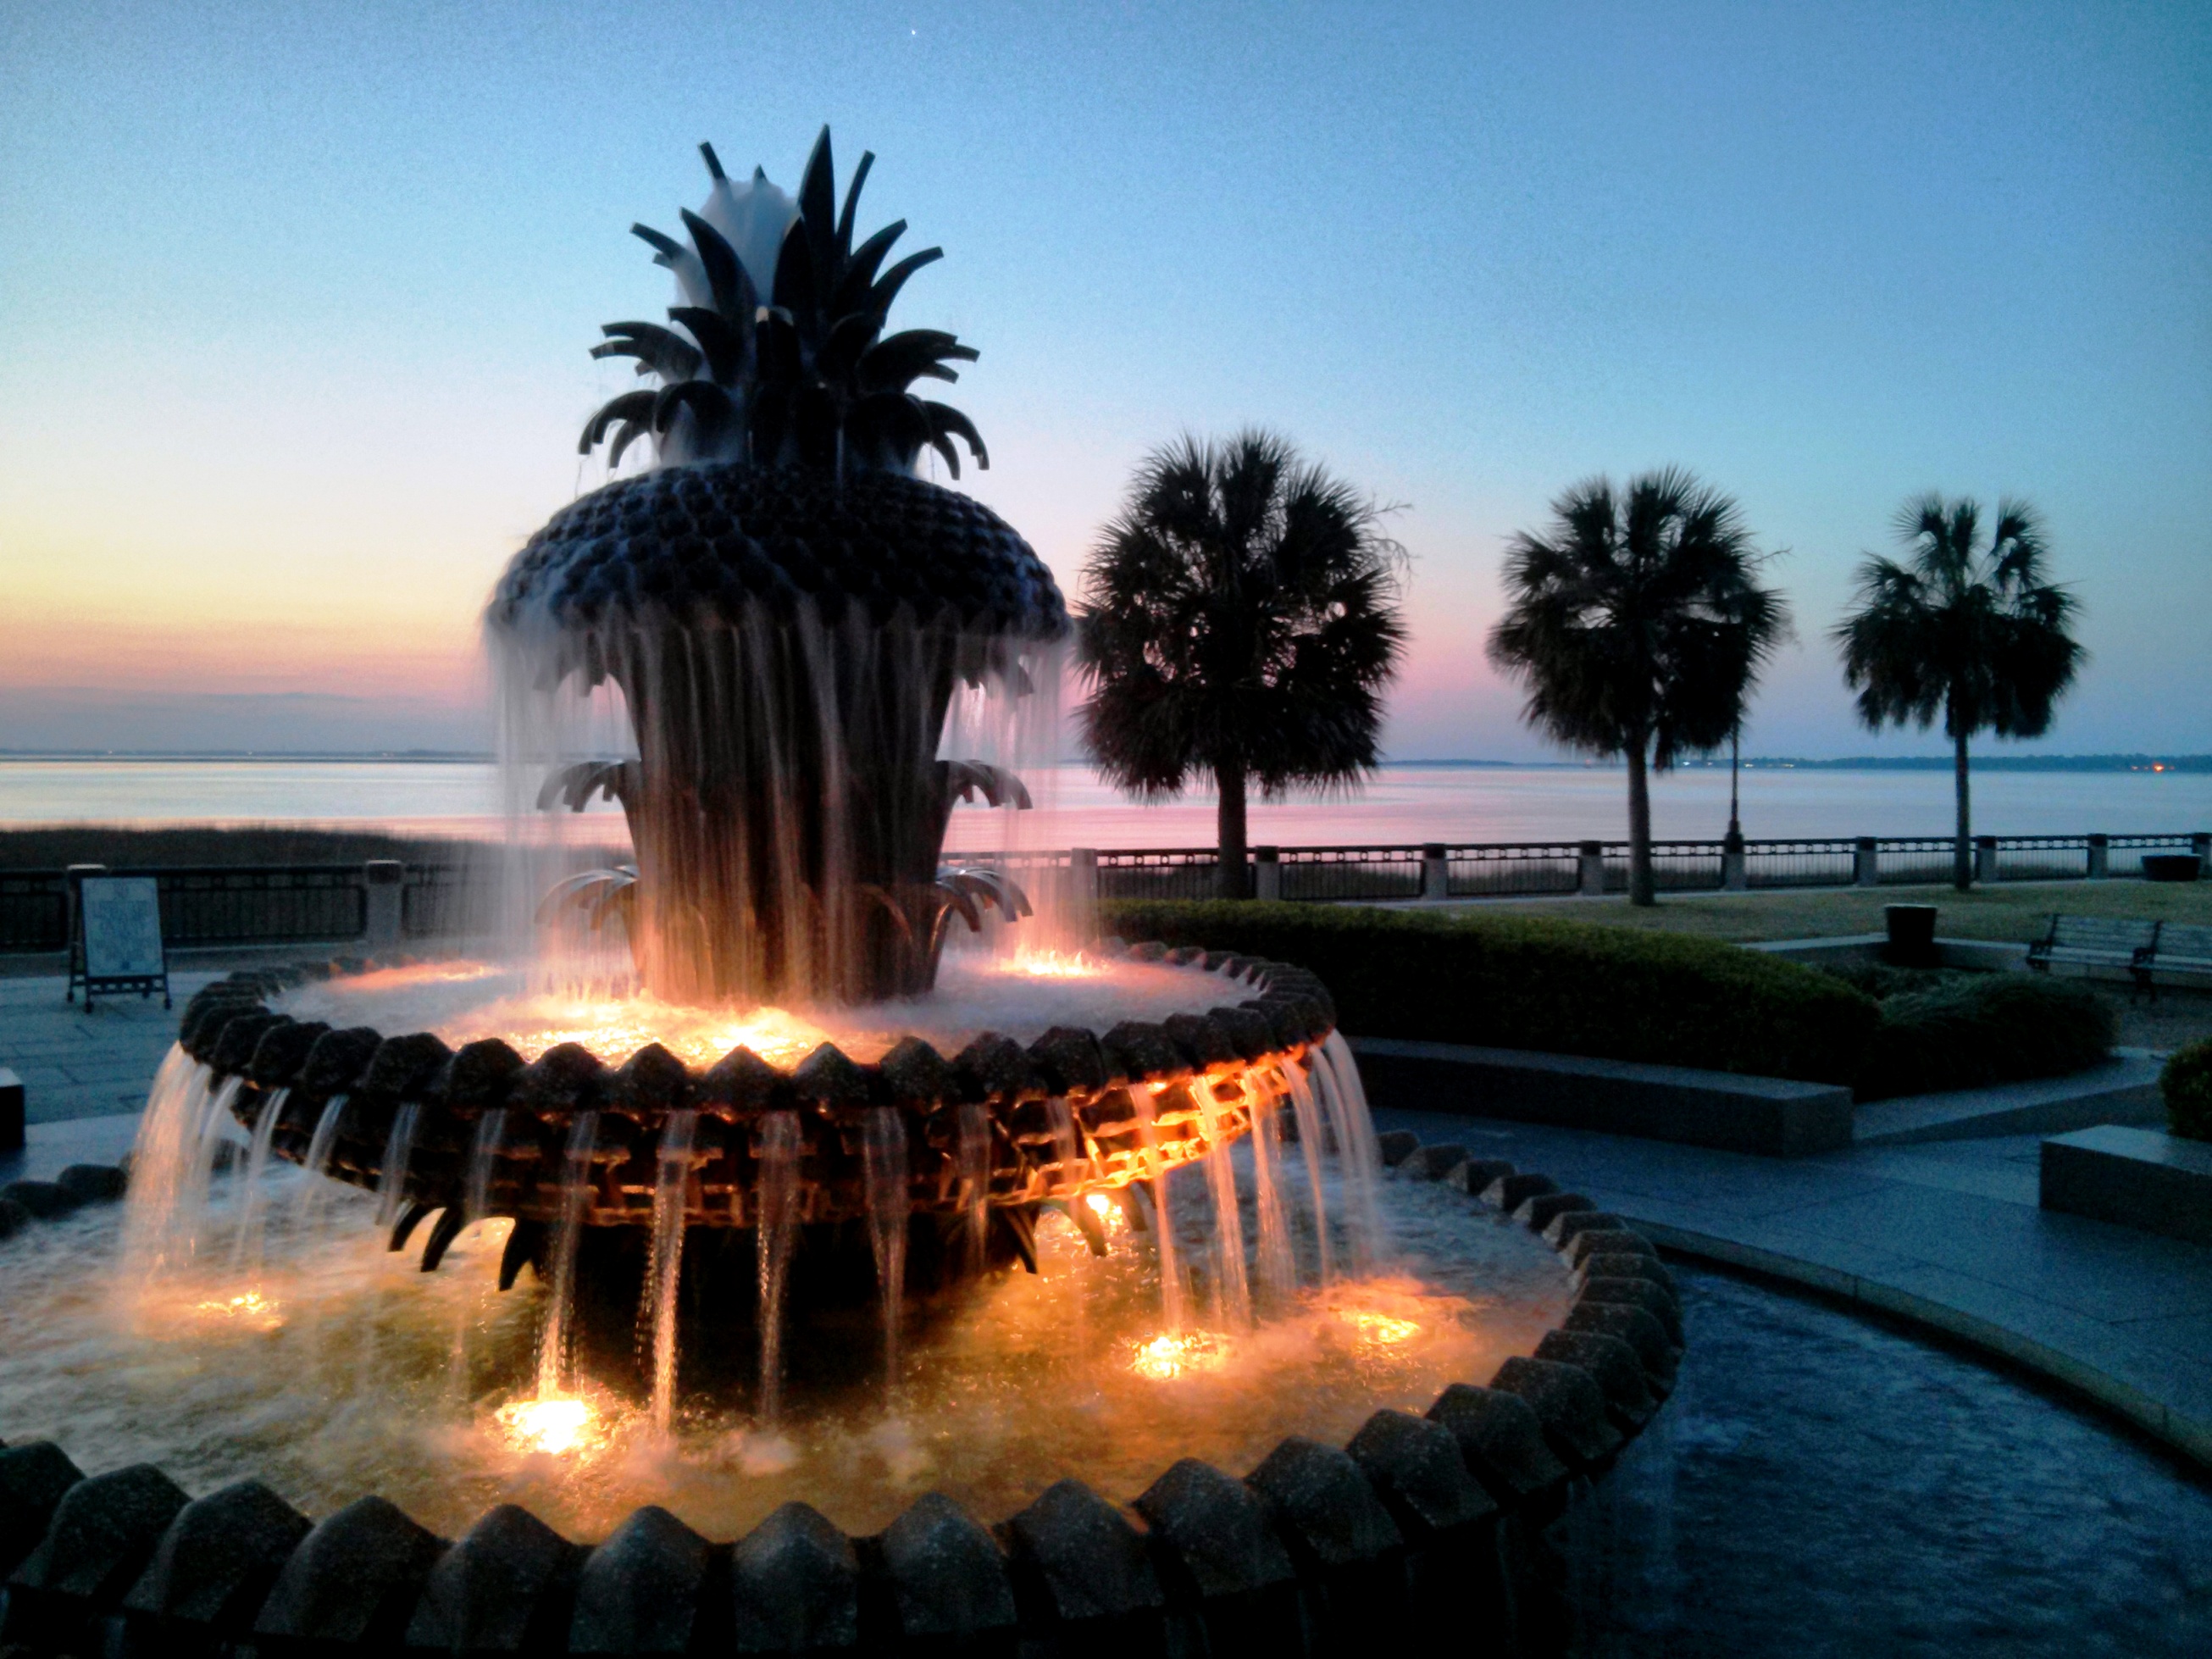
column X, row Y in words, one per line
column 806, row 364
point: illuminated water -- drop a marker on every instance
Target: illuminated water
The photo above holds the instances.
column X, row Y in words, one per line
column 1407, row 803
column 339, row 1370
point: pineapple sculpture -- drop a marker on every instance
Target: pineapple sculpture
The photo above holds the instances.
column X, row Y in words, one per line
column 786, row 610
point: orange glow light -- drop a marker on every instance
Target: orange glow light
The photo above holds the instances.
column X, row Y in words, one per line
column 247, row 1305
column 1053, row 964
column 1169, row 1355
column 546, row 1426
column 616, row 1029
column 1380, row 1327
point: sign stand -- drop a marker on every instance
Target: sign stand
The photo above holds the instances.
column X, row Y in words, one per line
column 115, row 940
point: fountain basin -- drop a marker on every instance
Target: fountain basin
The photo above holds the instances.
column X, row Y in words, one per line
column 1429, row 1520
column 1070, row 1112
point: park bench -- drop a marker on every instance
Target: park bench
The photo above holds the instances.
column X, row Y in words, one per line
column 2098, row 942
column 2183, row 948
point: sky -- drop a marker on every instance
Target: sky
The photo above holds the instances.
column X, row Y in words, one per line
column 295, row 304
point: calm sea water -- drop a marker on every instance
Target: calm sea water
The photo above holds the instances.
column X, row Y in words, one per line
column 1407, row 803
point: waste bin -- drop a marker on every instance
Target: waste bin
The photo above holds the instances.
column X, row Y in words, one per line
column 1911, row 935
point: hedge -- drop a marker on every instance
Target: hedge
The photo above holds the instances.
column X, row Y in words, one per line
column 1967, row 1030
column 1521, row 982
column 2186, row 1083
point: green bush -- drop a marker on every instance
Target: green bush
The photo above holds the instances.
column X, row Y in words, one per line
column 2186, row 1083
column 1523, row 982
column 1965, row 1031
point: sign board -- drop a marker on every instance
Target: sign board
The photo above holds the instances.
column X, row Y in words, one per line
column 119, row 937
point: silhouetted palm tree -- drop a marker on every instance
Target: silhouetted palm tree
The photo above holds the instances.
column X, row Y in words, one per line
column 1979, row 634
column 1638, row 627
column 1240, row 619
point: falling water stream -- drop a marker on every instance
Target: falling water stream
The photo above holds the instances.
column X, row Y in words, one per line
column 559, row 1307
column 776, row 1231
column 664, row 1267
column 332, row 1369
column 884, row 1180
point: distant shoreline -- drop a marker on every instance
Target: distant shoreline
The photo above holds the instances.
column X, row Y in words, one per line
column 2136, row 763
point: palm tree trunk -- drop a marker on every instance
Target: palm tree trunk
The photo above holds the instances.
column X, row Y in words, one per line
column 1229, row 831
column 1641, row 888
column 1962, row 845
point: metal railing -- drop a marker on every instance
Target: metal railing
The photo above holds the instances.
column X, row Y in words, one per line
column 262, row 904
column 1504, row 869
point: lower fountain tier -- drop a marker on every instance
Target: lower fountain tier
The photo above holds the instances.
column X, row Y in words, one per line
column 520, row 1163
column 478, row 1132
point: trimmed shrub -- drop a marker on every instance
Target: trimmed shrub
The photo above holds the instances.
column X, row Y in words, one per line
column 1965, row 1030
column 2186, row 1082
column 1521, row 982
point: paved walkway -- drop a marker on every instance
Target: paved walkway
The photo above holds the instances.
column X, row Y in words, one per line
column 1946, row 1233
column 75, row 1064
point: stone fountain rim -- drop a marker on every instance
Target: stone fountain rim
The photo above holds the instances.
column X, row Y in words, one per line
column 1290, row 1011
column 367, row 1576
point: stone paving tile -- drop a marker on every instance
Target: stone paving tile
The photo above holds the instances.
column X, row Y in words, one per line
column 2105, row 1272
column 2179, row 1380
column 75, row 1064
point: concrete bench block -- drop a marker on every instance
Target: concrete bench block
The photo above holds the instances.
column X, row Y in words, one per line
column 1777, row 1116
column 2140, row 1178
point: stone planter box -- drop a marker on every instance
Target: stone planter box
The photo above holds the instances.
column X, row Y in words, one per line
column 1721, row 1109
column 2140, row 1178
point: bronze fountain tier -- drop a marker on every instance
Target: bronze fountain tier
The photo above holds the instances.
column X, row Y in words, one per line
column 1069, row 1112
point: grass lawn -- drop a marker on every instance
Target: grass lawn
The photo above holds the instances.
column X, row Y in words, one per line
column 2019, row 911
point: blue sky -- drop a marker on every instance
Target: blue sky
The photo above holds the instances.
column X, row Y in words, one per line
column 295, row 301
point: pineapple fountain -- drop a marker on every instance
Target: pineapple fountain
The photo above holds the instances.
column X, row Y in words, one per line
column 842, row 1167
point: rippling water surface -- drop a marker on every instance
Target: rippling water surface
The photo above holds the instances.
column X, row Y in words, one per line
column 1821, row 1485
column 1075, row 809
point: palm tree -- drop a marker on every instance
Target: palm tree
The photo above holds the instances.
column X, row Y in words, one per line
column 1637, row 625
column 1977, row 632
column 1240, row 619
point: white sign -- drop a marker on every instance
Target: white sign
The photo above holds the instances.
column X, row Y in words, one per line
column 122, row 928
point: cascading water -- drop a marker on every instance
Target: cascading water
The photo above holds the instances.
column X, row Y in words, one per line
column 575, row 1193
column 1232, row 1292
column 664, row 1267
column 974, row 1128
column 776, row 1231
column 1172, row 1315
column 484, row 1160
column 1308, row 1117
column 254, row 1208
column 1276, row 1264
column 883, row 1164
column 398, row 1152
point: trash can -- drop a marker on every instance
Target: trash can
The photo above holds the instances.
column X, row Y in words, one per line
column 1911, row 935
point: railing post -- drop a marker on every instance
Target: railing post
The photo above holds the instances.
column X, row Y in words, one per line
column 1735, row 877
column 74, row 875
column 1266, row 873
column 1985, row 858
column 1591, row 857
column 381, row 879
column 1436, row 871
column 2101, row 857
column 2200, row 844
column 1866, row 862
column 1083, row 876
